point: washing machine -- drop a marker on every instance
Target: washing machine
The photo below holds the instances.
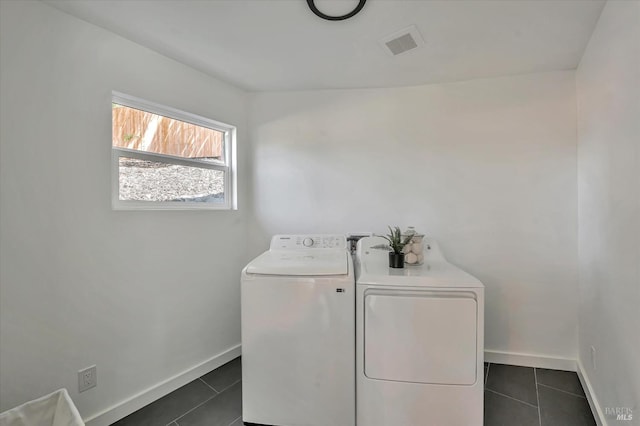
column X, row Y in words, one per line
column 419, row 341
column 298, row 333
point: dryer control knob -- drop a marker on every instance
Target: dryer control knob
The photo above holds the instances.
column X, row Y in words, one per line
column 307, row 242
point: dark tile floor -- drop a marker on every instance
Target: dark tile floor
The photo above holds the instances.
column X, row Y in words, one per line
column 513, row 395
column 214, row 399
column 534, row 396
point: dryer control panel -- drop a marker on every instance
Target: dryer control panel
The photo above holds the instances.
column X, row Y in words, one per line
column 308, row 241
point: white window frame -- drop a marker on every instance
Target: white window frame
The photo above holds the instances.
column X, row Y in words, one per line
column 228, row 166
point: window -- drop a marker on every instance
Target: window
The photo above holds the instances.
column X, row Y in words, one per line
column 163, row 158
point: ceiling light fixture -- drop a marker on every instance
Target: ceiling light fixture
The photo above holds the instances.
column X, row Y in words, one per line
column 354, row 12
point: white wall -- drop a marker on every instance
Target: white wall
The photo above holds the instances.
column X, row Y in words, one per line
column 144, row 295
column 608, row 91
column 488, row 167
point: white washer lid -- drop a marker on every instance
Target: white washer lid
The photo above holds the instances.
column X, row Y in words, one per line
column 300, row 262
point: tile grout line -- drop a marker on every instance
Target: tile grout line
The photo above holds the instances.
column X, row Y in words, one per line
column 187, row 412
column 563, row 391
column 203, row 402
column 234, row 421
column 486, row 376
column 207, row 384
column 181, row 415
column 535, row 375
column 232, row 384
column 510, row 397
column 197, row 406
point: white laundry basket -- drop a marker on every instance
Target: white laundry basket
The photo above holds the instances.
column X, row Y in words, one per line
column 55, row 409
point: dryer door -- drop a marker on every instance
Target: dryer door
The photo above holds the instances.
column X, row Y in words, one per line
column 420, row 336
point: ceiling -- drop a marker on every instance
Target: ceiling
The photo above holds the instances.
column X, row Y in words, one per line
column 262, row 45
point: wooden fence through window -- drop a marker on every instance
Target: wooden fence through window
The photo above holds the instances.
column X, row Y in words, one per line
column 144, row 131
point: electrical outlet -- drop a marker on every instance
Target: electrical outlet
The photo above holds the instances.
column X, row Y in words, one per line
column 593, row 358
column 87, row 378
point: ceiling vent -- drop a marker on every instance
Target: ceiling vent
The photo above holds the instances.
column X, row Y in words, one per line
column 402, row 41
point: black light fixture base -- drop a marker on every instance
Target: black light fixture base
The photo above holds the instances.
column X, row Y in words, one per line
column 314, row 9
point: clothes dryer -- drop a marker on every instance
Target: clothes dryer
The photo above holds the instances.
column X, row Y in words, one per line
column 419, row 341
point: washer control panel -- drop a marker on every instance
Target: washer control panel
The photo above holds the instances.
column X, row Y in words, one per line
column 308, row 241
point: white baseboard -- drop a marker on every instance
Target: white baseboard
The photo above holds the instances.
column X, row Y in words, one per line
column 591, row 396
column 136, row 402
column 528, row 360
